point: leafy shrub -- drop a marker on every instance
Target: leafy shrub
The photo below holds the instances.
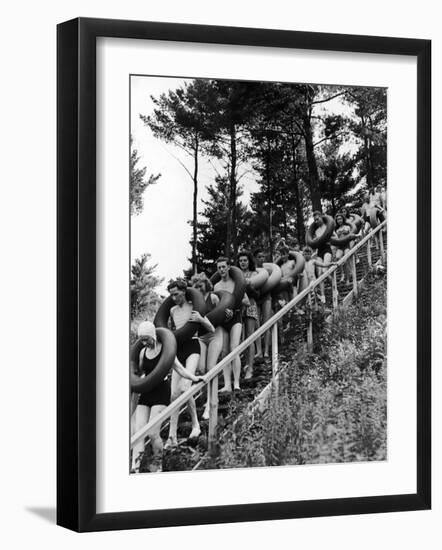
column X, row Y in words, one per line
column 330, row 405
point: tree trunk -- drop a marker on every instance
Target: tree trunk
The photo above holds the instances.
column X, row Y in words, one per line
column 231, row 237
column 195, row 208
column 300, row 229
column 269, row 198
column 315, row 193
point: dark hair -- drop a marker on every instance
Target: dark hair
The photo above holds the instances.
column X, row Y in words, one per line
column 340, row 215
column 258, row 251
column 307, row 249
column 180, row 284
column 223, row 259
column 317, row 212
column 202, row 277
column 284, row 250
column 249, row 256
column 344, row 211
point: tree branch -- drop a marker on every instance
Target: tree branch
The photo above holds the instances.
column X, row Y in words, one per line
column 329, row 137
column 182, row 164
column 327, row 98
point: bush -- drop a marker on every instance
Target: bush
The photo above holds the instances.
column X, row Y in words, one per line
column 330, row 405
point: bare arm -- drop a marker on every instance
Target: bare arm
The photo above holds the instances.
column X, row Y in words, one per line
column 203, row 321
column 178, row 367
column 322, row 264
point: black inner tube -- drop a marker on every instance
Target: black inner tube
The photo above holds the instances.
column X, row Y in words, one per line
column 218, row 314
column 168, row 353
column 240, row 283
column 315, row 242
column 187, row 331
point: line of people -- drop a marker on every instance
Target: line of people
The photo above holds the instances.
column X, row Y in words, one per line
column 203, row 350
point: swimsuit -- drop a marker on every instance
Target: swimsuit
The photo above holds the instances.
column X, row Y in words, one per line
column 323, row 250
column 236, row 319
column 160, row 394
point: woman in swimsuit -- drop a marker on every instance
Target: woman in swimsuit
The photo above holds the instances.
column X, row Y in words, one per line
column 249, row 312
column 145, row 355
column 231, row 329
column 211, row 343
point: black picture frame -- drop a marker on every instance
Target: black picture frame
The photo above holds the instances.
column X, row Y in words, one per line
column 76, row 274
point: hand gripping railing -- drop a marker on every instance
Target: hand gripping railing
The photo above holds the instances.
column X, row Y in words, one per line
column 211, row 378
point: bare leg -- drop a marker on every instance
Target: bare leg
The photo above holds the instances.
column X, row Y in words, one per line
column 347, row 269
column 339, row 254
column 266, row 314
column 156, row 441
column 227, row 370
column 140, row 418
column 202, row 360
column 250, row 325
column 326, row 262
column 175, row 391
column 258, row 342
column 235, row 338
column 191, row 365
column 213, row 352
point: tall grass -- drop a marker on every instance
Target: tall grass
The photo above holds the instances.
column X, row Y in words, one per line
column 330, row 405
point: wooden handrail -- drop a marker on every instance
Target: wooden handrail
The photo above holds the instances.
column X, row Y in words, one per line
column 184, row 397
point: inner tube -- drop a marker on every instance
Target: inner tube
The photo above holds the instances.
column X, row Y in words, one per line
column 258, row 280
column 218, row 314
column 189, row 329
column 284, row 284
column 240, row 284
column 342, row 241
column 373, row 215
column 275, row 275
column 168, row 353
column 315, row 242
column 357, row 221
column 299, row 262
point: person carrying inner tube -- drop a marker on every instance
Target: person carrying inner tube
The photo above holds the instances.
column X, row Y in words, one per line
column 231, row 329
column 249, row 312
column 211, row 343
column 342, row 229
column 143, row 361
column 287, row 264
column 312, row 262
column 323, row 251
column 188, row 354
column 264, row 305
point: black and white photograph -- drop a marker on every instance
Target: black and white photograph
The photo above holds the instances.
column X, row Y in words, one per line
column 258, row 274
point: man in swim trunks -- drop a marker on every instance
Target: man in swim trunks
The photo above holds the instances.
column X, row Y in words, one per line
column 323, row 251
column 264, row 304
column 232, row 328
column 309, row 276
column 188, row 354
column 287, row 265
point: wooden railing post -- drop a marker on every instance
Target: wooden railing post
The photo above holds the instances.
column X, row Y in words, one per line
column 381, row 243
column 212, row 394
column 310, row 324
column 354, row 276
column 275, row 359
column 274, row 349
column 334, row 290
column 369, row 253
